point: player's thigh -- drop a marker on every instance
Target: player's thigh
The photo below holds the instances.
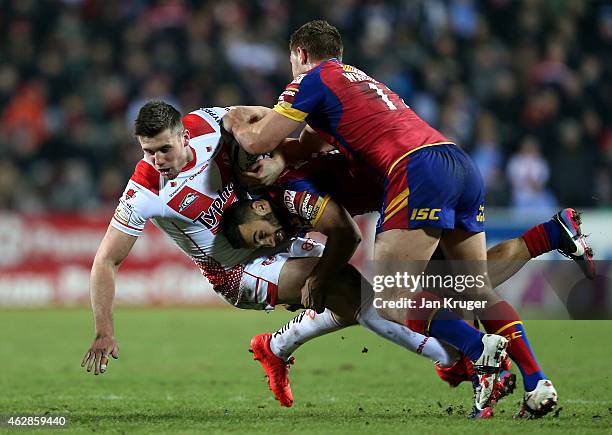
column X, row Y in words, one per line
column 342, row 292
column 459, row 244
column 400, row 245
column 404, row 252
column 468, row 252
column 292, row 278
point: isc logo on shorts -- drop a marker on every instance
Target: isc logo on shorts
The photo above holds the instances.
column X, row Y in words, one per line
column 422, row 214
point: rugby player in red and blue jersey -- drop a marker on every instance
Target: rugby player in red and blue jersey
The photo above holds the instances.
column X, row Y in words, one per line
column 432, row 192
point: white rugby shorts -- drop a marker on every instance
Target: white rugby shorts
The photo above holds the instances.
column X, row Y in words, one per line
column 259, row 283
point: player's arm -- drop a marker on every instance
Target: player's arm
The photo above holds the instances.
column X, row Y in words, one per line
column 251, row 114
column 343, row 237
column 113, row 249
column 261, row 136
column 290, row 152
column 293, row 151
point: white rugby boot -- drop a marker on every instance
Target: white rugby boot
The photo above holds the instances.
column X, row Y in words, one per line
column 539, row 402
column 487, row 368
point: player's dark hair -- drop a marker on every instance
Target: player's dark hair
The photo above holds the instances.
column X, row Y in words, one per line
column 156, row 116
column 320, row 39
column 236, row 214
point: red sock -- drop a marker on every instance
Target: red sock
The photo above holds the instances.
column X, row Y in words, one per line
column 536, row 240
column 418, row 319
column 502, row 319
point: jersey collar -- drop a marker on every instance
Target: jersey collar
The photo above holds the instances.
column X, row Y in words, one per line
column 192, row 163
column 333, row 59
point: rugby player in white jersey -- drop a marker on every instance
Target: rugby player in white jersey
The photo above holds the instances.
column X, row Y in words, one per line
column 183, row 184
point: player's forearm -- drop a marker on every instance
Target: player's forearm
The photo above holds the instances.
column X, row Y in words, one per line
column 252, row 113
column 312, row 143
column 340, row 246
column 250, row 138
column 244, row 124
column 102, row 292
column 293, row 151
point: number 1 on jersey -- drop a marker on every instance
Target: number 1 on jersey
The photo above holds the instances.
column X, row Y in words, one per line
column 384, row 96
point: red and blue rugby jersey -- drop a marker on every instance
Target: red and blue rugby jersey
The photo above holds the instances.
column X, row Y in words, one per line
column 357, row 114
column 330, row 175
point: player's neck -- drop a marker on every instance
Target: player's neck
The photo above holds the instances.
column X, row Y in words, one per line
column 189, row 155
column 189, row 158
column 310, row 66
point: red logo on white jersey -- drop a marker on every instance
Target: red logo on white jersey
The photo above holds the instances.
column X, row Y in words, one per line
column 268, row 261
column 131, row 193
column 308, row 245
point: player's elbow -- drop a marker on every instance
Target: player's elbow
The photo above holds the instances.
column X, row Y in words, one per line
column 349, row 234
column 355, row 236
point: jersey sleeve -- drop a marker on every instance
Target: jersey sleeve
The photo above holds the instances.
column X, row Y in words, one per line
column 305, row 204
column 301, row 97
column 135, row 207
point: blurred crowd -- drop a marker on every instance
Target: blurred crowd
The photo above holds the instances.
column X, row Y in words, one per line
column 524, row 86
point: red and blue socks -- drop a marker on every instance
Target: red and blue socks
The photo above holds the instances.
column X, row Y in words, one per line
column 502, row 319
column 444, row 324
column 543, row 238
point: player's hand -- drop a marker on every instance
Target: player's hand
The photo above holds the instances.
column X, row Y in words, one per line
column 96, row 357
column 233, row 118
column 240, row 115
column 313, row 296
column 264, row 172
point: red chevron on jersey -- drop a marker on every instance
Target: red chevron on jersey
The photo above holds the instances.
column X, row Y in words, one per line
column 146, row 176
column 197, row 125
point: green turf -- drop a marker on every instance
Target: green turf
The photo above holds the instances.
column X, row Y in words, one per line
column 188, row 371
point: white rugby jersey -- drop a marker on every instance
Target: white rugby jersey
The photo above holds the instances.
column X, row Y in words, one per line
column 189, row 208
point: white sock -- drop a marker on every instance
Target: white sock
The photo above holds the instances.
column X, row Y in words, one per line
column 406, row 337
column 303, row 327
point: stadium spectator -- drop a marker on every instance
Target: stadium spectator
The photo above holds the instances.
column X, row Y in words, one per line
column 528, row 173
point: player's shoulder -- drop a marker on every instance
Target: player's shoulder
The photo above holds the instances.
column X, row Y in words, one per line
column 145, row 176
column 204, row 121
column 140, row 200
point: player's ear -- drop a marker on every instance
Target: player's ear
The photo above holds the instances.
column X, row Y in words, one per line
column 261, row 207
column 302, row 55
column 186, row 137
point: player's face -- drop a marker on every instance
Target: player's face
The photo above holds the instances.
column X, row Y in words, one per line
column 168, row 152
column 263, row 231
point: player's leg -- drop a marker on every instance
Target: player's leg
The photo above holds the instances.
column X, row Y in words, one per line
column 421, row 195
column 419, row 201
column 563, row 232
column 506, row 259
column 350, row 296
column 344, row 297
column 499, row 317
column 408, row 251
column 427, row 317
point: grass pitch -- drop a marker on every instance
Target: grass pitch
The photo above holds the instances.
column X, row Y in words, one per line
column 186, row 371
